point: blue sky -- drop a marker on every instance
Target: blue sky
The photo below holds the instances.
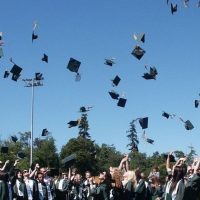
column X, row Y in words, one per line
column 91, row 31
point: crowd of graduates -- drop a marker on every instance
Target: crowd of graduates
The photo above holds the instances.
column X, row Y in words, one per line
column 117, row 183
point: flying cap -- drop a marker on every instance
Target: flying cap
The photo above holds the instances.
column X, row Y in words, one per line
column 173, row 8
column 188, row 125
column 116, row 80
column 150, row 141
column 6, row 74
column 4, row 149
column 34, row 36
column 164, row 114
column 16, row 70
column 45, row 132
column 45, row 58
column 73, row 65
column 1, row 53
column 196, row 103
column 14, row 138
column 140, row 37
column 143, row 122
column 114, row 95
column 21, row 155
column 38, row 76
column 121, row 102
column 69, row 160
column 74, row 123
column 84, row 109
column 151, row 75
column 109, row 61
column 138, row 52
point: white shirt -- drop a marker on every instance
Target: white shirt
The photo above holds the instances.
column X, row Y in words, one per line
column 29, row 187
column 60, row 184
column 20, row 193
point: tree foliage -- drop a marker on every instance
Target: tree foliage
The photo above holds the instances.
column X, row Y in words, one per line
column 133, row 137
column 45, row 152
column 84, row 127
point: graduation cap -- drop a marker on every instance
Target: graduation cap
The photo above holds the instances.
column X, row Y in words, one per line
column 121, row 102
column 45, row 132
column 165, row 114
column 38, row 76
column 171, row 157
column 84, row 109
column 138, row 52
column 4, row 149
column 143, row 122
column 34, row 36
column 21, row 155
column 188, row 125
column 114, row 95
column 140, row 37
column 6, row 74
column 69, row 160
column 196, row 103
column 151, row 75
column 150, row 141
column 1, row 53
column 109, row 61
column 73, row 66
column 74, row 123
column 16, row 70
column 45, row 58
column 173, row 8
column 14, row 138
column 116, row 80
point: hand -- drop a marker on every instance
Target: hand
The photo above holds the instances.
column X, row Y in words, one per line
column 16, row 162
column 7, row 161
column 37, row 166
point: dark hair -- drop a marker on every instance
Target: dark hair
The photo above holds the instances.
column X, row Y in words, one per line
column 176, row 177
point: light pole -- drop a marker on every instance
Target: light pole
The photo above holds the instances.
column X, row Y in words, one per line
column 34, row 82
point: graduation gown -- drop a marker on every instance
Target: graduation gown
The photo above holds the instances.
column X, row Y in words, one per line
column 192, row 188
column 140, row 190
column 4, row 193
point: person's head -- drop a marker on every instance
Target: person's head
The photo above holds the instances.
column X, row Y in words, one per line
column 74, row 171
column 178, row 173
column 87, row 174
column 40, row 177
column 43, row 170
column 155, row 169
column 26, row 173
column 64, row 175
column 117, row 178
column 78, row 178
column 18, row 174
column 129, row 176
column 138, row 174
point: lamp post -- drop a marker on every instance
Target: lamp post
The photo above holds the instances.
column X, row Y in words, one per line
column 34, row 82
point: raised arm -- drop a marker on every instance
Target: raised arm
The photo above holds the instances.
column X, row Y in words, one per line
column 4, row 166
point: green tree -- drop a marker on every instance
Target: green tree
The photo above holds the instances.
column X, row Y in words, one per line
column 191, row 155
column 84, row 127
column 45, row 152
column 85, row 153
column 132, row 136
column 108, row 156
